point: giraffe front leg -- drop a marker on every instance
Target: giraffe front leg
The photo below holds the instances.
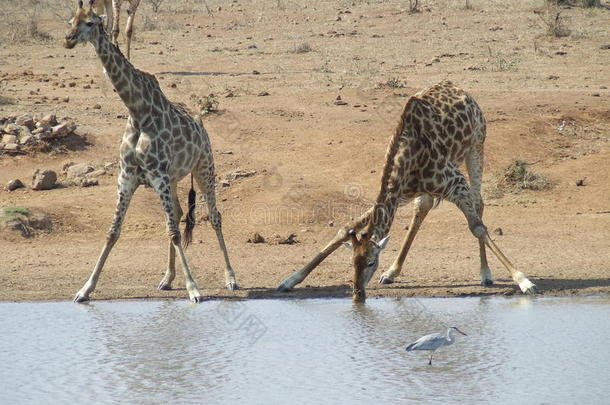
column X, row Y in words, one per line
column 163, row 187
column 422, row 205
column 342, row 235
column 126, row 187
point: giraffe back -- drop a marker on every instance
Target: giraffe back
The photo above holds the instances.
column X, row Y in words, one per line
column 439, row 127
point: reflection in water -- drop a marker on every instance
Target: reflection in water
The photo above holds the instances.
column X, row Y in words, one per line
column 540, row 350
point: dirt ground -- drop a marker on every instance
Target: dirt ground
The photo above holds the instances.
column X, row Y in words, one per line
column 317, row 164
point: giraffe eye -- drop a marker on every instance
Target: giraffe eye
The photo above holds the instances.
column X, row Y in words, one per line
column 89, row 24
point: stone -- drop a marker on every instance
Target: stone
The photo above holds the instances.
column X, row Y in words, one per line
column 11, row 147
column 256, row 238
column 499, row 231
column 9, row 139
column 79, row 170
column 11, row 128
column 44, row 179
column 48, row 120
column 14, row 185
column 26, row 140
column 88, row 182
column 25, row 120
column 97, row 173
column 289, row 240
column 61, row 130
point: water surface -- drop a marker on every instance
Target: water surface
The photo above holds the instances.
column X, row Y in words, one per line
column 519, row 350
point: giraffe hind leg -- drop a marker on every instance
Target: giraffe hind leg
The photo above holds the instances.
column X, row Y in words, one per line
column 461, row 195
column 474, row 165
column 170, row 273
column 206, row 183
column 164, row 190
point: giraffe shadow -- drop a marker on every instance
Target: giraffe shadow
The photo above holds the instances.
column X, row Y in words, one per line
column 335, row 291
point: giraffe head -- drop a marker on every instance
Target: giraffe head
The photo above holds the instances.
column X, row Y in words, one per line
column 365, row 258
column 85, row 25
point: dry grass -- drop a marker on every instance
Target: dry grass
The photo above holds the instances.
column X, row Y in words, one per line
column 301, row 47
column 205, row 104
column 517, row 177
column 555, row 24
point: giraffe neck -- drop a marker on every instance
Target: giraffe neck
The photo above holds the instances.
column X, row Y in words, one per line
column 383, row 215
column 130, row 83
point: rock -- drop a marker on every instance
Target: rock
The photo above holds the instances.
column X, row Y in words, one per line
column 238, row 173
column 26, row 140
column 97, row 173
column 331, row 224
column 78, row 170
column 499, row 231
column 87, row 182
column 25, row 120
column 9, row 139
column 48, row 120
column 11, row 147
column 256, row 238
column 12, row 128
column 288, row 240
column 263, row 93
column 339, row 101
column 14, row 185
column 97, row 107
column 61, row 130
column 581, row 182
column 44, row 179
column 40, row 130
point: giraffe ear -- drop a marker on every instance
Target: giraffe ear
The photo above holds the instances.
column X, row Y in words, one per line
column 382, row 243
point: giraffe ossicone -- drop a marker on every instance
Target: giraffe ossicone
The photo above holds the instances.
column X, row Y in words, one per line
column 440, row 128
column 162, row 144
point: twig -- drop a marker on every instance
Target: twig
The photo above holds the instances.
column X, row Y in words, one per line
column 603, row 212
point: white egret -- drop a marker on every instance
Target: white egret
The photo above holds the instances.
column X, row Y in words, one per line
column 433, row 341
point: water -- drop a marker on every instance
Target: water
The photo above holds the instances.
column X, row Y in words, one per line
column 519, row 350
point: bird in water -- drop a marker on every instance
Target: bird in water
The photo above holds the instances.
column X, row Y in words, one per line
column 433, row 341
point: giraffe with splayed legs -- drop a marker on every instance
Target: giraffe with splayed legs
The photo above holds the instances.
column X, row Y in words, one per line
column 162, row 144
column 440, row 128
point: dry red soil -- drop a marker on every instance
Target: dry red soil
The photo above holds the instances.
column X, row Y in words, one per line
column 317, row 162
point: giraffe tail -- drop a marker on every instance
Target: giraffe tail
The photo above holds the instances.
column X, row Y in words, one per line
column 190, row 217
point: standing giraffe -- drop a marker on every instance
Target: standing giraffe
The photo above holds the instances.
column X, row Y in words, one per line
column 131, row 13
column 112, row 9
column 440, row 128
column 162, row 143
column 104, row 7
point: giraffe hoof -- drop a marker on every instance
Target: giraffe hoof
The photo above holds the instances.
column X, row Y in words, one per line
column 197, row 299
column 283, row 288
column 80, row 298
column 232, row 286
column 532, row 290
column 164, row 286
column 385, row 280
column 487, row 283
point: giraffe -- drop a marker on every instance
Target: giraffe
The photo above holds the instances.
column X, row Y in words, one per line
column 104, row 7
column 131, row 13
column 440, row 128
column 161, row 144
column 112, row 10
